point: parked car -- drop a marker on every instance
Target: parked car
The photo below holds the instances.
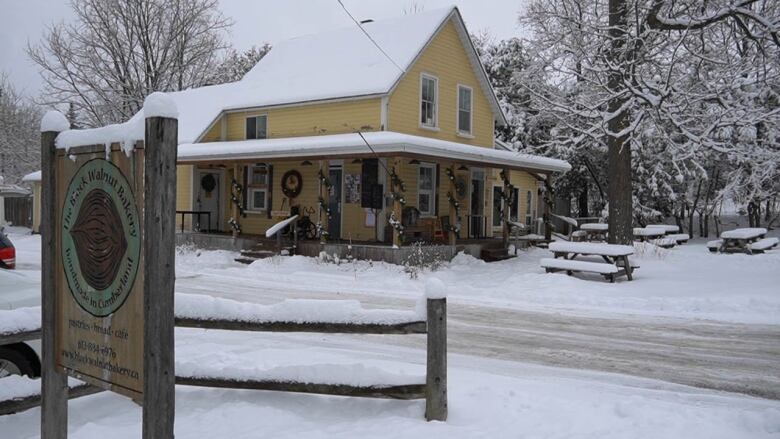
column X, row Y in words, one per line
column 7, row 252
column 17, row 358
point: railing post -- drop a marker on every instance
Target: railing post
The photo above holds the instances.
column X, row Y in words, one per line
column 436, row 376
column 54, row 397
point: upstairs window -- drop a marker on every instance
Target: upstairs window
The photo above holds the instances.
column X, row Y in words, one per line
column 256, row 127
column 429, row 91
column 464, row 109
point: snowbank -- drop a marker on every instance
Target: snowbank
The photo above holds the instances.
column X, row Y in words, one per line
column 20, row 320
column 296, row 311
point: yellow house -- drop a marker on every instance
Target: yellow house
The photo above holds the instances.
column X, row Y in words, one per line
column 372, row 142
column 376, row 134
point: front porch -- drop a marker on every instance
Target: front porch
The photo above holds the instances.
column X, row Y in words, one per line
column 380, row 191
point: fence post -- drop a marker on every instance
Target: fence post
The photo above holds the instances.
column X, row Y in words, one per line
column 436, row 376
column 54, row 382
column 160, row 146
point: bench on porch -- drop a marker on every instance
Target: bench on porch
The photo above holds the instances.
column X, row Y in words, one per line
column 616, row 261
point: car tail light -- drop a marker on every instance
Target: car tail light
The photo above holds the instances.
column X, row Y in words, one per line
column 8, row 257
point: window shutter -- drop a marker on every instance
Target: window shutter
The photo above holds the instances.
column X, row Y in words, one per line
column 245, row 189
column 270, row 198
column 368, row 179
column 436, row 191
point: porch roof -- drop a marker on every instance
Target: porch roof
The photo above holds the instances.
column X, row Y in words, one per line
column 383, row 144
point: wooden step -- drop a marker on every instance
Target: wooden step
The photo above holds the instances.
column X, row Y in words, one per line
column 257, row 254
column 495, row 254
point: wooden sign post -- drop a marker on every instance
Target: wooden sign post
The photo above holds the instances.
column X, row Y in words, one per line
column 108, row 239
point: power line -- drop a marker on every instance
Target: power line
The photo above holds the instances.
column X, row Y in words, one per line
column 370, row 38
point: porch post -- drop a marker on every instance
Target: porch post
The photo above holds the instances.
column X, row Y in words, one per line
column 324, row 201
column 397, row 208
column 507, row 205
column 453, row 214
column 234, row 212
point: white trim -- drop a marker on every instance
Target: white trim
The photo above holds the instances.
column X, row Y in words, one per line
column 435, row 126
column 250, row 199
column 431, row 192
column 458, row 131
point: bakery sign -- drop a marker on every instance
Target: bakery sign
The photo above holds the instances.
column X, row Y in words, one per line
column 101, row 300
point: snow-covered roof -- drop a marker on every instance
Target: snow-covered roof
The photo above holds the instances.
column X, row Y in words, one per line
column 33, row 176
column 335, row 64
column 383, row 143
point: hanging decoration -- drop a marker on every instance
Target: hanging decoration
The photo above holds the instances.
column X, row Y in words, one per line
column 236, row 195
column 396, row 224
column 292, row 183
column 234, row 224
column 321, row 232
column 396, row 181
column 454, row 204
column 324, row 180
column 324, row 207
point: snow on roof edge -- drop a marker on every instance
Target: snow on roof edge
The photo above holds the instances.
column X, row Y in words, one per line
column 383, row 142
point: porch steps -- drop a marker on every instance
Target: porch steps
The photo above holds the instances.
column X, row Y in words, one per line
column 262, row 250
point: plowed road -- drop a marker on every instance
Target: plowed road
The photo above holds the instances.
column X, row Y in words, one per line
column 713, row 355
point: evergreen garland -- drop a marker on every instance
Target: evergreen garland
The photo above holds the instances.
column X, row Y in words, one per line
column 324, row 180
column 454, row 204
column 234, row 224
column 235, row 197
column 324, row 206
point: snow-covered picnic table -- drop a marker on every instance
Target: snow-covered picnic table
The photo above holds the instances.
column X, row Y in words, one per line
column 616, row 261
column 747, row 240
column 595, row 231
column 667, row 228
column 648, row 233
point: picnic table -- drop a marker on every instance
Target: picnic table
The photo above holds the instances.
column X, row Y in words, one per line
column 747, row 240
column 616, row 262
column 667, row 228
column 595, row 231
column 648, row 233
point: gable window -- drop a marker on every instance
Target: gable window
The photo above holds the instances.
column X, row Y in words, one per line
column 257, row 188
column 429, row 90
column 256, row 127
column 426, row 189
column 464, row 109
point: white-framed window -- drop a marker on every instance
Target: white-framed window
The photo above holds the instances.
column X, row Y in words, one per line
column 257, row 127
column 529, row 210
column 426, row 189
column 465, row 104
column 429, row 101
column 257, row 188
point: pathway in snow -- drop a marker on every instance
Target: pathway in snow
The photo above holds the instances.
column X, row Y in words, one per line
column 714, row 355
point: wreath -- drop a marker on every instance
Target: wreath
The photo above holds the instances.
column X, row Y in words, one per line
column 460, row 187
column 292, row 183
column 208, row 183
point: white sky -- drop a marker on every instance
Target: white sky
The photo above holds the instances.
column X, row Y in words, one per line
column 256, row 21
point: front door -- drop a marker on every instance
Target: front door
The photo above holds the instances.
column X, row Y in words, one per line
column 477, row 203
column 334, row 203
column 209, row 199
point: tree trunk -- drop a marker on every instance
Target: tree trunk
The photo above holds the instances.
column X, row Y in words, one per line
column 582, row 202
column 619, row 190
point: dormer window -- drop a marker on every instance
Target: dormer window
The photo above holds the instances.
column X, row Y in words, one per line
column 256, row 127
column 429, row 100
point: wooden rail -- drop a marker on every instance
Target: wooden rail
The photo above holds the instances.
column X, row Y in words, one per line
column 434, row 390
column 16, row 337
column 327, row 328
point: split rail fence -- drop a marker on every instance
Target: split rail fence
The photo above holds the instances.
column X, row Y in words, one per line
column 434, row 390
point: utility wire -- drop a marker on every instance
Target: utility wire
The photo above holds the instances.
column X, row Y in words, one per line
column 370, row 38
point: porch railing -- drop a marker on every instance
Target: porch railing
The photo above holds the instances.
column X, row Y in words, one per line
column 277, row 229
column 195, row 215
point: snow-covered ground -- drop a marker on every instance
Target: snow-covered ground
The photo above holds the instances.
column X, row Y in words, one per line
column 687, row 281
column 487, row 397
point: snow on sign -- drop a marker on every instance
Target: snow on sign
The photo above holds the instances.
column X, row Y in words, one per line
column 100, row 297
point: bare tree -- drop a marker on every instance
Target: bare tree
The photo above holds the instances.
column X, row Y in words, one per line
column 19, row 133
column 116, row 52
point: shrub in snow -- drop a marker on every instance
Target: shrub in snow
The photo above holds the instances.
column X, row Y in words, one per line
column 422, row 258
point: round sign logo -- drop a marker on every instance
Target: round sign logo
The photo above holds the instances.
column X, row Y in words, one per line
column 101, row 241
